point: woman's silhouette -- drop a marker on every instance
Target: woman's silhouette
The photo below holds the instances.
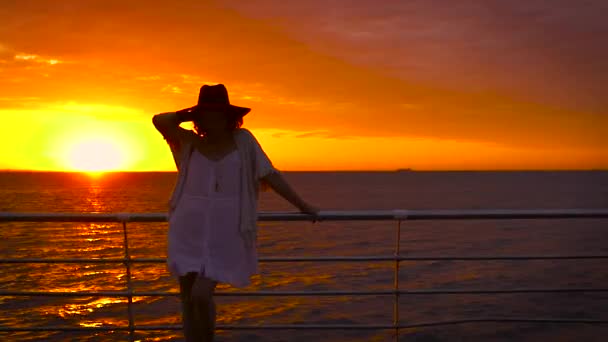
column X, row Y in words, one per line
column 213, row 207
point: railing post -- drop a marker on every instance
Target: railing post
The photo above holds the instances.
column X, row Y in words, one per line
column 396, row 304
column 129, row 285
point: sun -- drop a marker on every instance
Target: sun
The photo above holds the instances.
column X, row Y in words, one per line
column 95, row 146
column 95, row 155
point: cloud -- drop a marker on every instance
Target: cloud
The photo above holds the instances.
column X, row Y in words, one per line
column 319, row 134
column 148, row 78
column 36, row 59
column 16, row 59
column 172, row 89
column 298, row 134
column 24, row 57
column 196, row 80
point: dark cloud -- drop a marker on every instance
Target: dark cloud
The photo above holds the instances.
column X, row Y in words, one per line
column 549, row 51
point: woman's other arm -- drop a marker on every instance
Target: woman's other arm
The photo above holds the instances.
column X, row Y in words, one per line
column 278, row 183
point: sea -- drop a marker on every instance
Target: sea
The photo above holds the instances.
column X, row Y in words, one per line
column 148, row 192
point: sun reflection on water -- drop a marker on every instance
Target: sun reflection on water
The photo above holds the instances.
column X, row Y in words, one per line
column 94, row 198
column 72, row 309
column 88, row 307
column 90, row 324
column 96, row 237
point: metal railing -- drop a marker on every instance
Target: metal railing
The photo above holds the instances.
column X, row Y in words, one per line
column 374, row 215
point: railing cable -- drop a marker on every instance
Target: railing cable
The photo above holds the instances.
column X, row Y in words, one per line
column 396, row 292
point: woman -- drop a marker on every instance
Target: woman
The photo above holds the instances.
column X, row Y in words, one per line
column 213, row 207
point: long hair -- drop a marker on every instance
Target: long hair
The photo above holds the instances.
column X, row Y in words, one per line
column 234, row 121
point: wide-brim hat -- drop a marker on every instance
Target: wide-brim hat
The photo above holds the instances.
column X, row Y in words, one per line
column 216, row 97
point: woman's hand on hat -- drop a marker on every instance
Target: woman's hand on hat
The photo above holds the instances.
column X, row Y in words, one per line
column 187, row 110
column 186, row 114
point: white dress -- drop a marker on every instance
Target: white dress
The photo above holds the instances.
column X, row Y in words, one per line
column 204, row 234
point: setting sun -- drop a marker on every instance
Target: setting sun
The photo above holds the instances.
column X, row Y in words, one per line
column 93, row 146
column 96, row 155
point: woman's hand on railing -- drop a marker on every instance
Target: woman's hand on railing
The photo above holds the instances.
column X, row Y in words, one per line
column 310, row 210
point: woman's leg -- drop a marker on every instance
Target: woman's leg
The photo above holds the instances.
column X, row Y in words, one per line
column 204, row 307
column 212, row 317
column 188, row 319
column 198, row 307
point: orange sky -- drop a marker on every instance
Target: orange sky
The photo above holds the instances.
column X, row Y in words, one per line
column 343, row 85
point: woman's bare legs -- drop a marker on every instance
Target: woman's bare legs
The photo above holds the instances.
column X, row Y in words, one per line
column 198, row 307
column 213, row 315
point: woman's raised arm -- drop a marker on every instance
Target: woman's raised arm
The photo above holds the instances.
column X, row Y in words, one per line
column 168, row 125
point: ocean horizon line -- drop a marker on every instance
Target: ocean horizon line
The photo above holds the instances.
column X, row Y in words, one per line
column 321, row 171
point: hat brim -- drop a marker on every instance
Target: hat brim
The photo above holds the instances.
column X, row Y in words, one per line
column 223, row 107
